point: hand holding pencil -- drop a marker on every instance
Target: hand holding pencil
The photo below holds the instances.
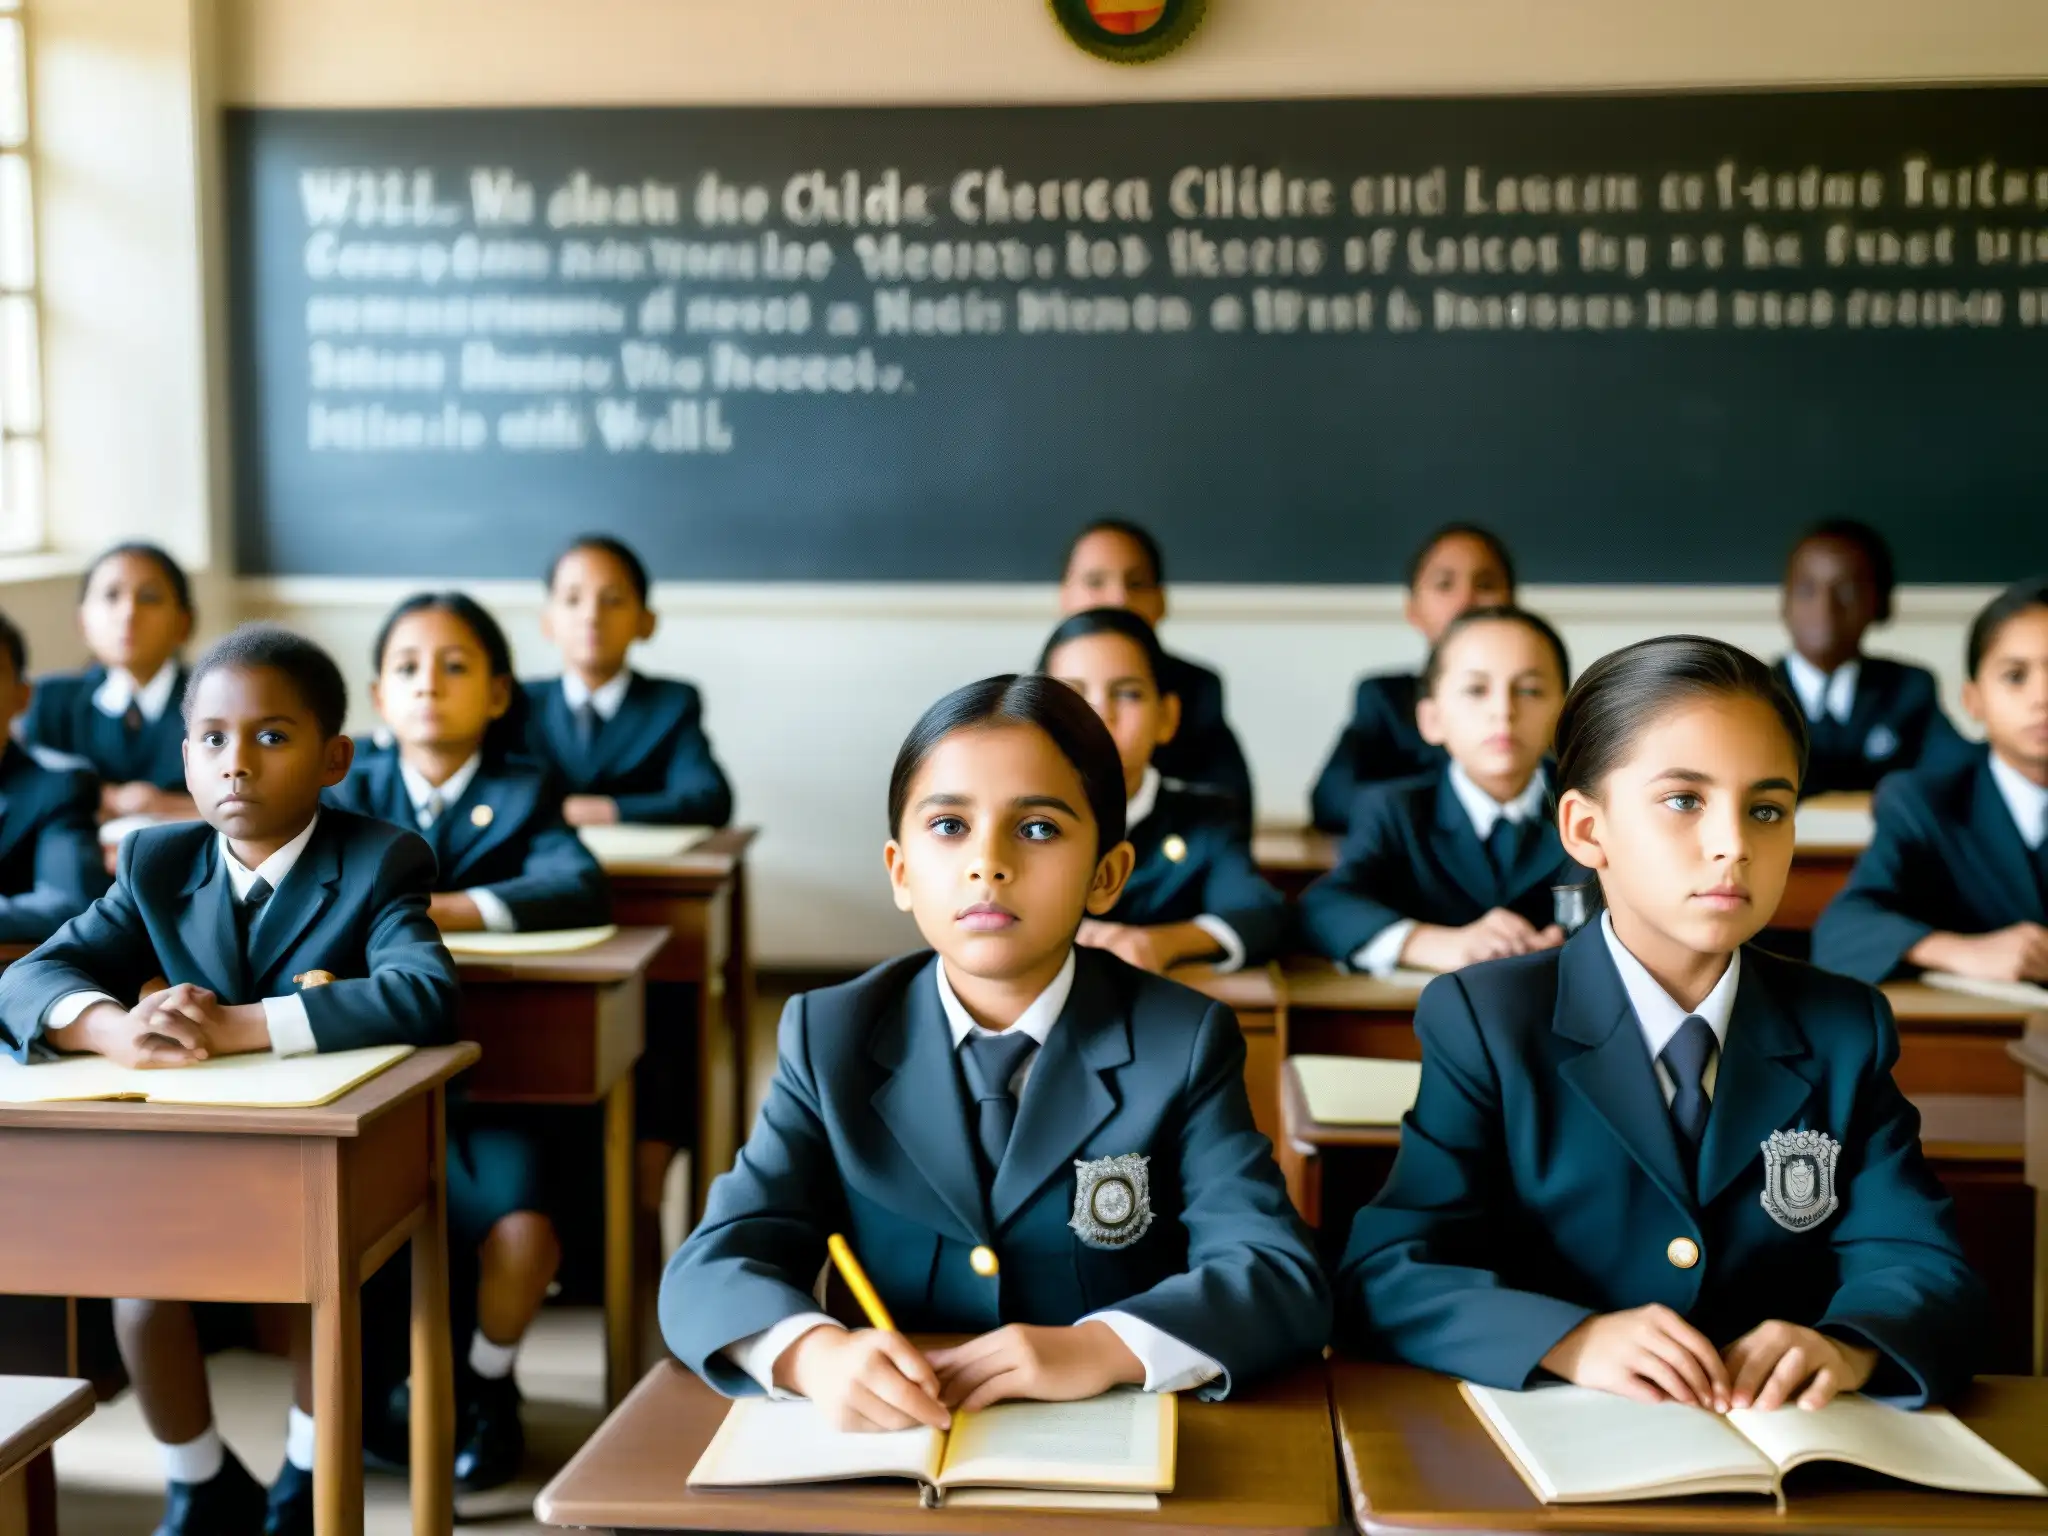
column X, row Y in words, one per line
column 870, row 1380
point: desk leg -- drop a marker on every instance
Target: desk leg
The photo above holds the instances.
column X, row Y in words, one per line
column 2041, row 1282
column 337, row 1347
column 28, row 1499
column 621, row 1329
column 433, row 1369
column 739, row 1004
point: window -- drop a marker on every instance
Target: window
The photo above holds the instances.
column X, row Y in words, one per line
column 21, row 364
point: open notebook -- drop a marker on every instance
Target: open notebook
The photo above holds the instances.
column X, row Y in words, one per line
column 2021, row 994
column 1061, row 1455
column 259, row 1080
column 629, row 843
column 542, row 941
column 1576, row 1445
column 1357, row 1090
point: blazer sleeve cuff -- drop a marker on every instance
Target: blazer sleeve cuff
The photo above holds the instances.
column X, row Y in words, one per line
column 1226, row 937
column 291, row 1030
column 497, row 917
column 1381, row 955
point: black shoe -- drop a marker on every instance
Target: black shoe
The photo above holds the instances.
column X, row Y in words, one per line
column 492, row 1441
column 387, row 1431
column 230, row 1503
column 291, row 1503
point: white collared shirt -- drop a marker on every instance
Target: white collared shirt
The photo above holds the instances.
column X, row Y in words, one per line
column 1658, row 1014
column 291, row 1032
column 2027, row 800
column 605, row 699
column 1381, row 954
column 1831, row 692
column 1136, row 809
column 120, row 689
column 1170, row 1365
column 497, row 917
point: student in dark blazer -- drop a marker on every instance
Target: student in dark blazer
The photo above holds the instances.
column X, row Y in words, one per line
column 1460, row 865
column 50, row 862
column 507, row 862
column 123, row 715
column 205, row 947
column 1866, row 716
column 1116, row 564
column 1956, row 874
column 1024, row 1141
column 1194, row 892
column 1460, row 567
column 1658, row 1161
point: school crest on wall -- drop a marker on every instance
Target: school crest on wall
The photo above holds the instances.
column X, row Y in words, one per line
column 1129, row 31
column 1799, row 1178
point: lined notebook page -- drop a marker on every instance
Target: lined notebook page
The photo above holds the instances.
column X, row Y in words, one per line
column 1357, row 1090
column 1579, row 1443
column 1931, row 1446
column 2021, row 994
column 629, row 842
column 257, row 1081
column 762, row 1443
column 545, row 941
column 1119, row 1439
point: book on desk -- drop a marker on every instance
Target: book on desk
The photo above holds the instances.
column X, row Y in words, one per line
column 257, row 1080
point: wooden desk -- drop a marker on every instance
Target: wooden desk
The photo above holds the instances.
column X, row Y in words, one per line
column 1292, row 856
column 267, row 1205
column 700, row 897
column 1952, row 1042
column 1331, row 1012
column 1256, row 997
column 2031, row 1054
column 1331, row 1170
column 566, row 1029
column 1417, row 1459
column 1265, row 1461
column 35, row 1411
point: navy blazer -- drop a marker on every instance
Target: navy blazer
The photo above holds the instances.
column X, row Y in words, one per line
column 505, row 835
column 1412, row 853
column 1946, row 856
column 865, row 1132
column 51, row 868
column 1204, row 750
column 61, row 718
column 1539, row 1180
column 354, row 904
column 1382, row 742
column 1195, row 860
column 1895, row 722
column 652, row 756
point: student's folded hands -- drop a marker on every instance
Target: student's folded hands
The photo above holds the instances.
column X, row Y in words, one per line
column 145, row 1036
column 1778, row 1363
column 1494, row 936
column 1149, row 949
column 2018, row 953
column 1046, row 1365
column 220, row 1029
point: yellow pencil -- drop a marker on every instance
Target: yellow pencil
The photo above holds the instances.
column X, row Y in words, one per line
column 857, row 1282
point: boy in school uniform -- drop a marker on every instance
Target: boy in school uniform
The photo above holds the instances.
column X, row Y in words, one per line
column 1117, row 564
column 1866, row 716
column 51, row 868
column 269, row 887
column 1460, row 865
column 1956, row 874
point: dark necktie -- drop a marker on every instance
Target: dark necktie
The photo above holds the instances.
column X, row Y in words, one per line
column 1503, row 843
column 587, row 726
column 1685, row 1057
column 988, row 1062
column 131, row 720
column 249, row 909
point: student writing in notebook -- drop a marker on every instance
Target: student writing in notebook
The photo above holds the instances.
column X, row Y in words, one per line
column 506, row 862
column 229, row 911
column 1866, row 716
column 1658, row 1160
column 1458, row 567
column 124, row 714
column 1956, row 874
column 1194, row 892
column 1025, row 1141
column 50, row 863
column 1459, row 865
column 1117, row 564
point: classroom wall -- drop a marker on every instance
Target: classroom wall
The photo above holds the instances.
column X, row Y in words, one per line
column 810, row 689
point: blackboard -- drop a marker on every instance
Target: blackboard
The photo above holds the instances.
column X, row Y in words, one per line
column 1644, row 337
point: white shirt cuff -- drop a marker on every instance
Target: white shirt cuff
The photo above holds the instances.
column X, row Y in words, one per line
column 757, row 1353
column 497, row 916
column 1170, row 1366
column 1224, row 934
column 67, row 1009
column 1382, row 955
column 291, row 1032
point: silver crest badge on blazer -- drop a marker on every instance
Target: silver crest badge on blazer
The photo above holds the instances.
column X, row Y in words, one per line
column 1799, row 1178
column 1112, row 1200
column 1881, row 744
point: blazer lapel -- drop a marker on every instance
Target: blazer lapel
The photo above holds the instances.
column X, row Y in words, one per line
column 1997, row 836
column 206, row 922
column 1066, row 1097
column 919, row 1102
column 642, row 719
column 1755, row 1090
column 1613, row 1074
column 490, row 810
column 306, row 893
column 1458, row 847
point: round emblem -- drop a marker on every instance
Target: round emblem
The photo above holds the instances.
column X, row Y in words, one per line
column 983, row 1262
column 1175, row 848
column 1129, row 31
column 482, row 816
column 1112, row 1203
column 1683, row 1253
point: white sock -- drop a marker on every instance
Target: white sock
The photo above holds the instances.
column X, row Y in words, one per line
column 298, row 1438
column 491, row 1361
column 196, row 1461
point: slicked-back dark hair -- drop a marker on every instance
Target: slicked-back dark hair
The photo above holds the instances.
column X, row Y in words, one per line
column 309, row 669
column 507, row 733
column 604, row 544
column 1109, row 621
column 1140, row 536
column 174, row 573
column 2000, row 611
column 1432, row 672
column 1486, row 536
column 1022, row 699
column 1871, row 544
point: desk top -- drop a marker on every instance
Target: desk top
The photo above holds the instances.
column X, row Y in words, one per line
column 1299, row 848
column 1419, row 1460
column 2031, row 1052
column 1254, row 991
column 35, row 1411
column 710, row 862
column 345, row 1117
column 1324, row 984
column 1914, row 1002
column 623, row 956
column 1265, row 1461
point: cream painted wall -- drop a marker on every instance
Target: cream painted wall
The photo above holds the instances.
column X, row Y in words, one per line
column 809, row 689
